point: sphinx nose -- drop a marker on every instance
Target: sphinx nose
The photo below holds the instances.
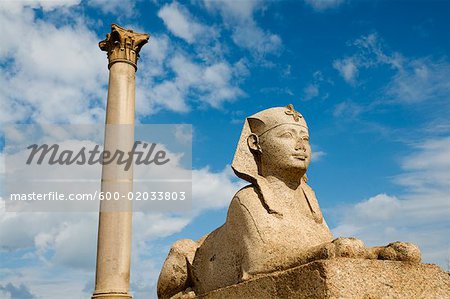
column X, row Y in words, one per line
column 300, row 145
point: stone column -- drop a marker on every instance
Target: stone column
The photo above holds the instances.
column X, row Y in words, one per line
column 115, row 219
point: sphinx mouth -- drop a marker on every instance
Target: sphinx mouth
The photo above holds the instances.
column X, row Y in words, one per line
column 300, row 157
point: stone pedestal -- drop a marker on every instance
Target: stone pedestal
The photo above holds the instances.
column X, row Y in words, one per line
column 345, row 278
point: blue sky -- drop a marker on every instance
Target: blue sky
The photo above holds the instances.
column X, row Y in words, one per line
column 370, row 77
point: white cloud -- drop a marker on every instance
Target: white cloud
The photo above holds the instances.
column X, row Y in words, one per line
column 372, row 52
column 414, row 80
column 386, row 207
column 2, row 163
column 202, row 39
column 176, row 79
column 41, row 281
column 238, row 16
column 421, row 80
column 321, row 5
column 166, row 94
column 248, row 35
column 310, row 91
column 314, row 89
column 234, row 9
column 154, row 226
column 179, row 21
column 54, row 4
column 81, row 232
column 12, row 291
column 208, row 84
column 46, row 5
column 19, row 231
column 5, row 294
column 419, row 215
column 347, row 68
column 433, row 155
column 422, row 83
column 116, row 7
column 60, row 78
column 154, row 55
column 369, row 53
column 347, row 110
column 427, row 170
column 183, row 134
column 317, row 155
column 214, row 190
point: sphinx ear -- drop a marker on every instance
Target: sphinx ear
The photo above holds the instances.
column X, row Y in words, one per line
column 253, row 143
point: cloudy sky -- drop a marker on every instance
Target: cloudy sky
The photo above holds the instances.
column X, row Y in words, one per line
column 372, row 78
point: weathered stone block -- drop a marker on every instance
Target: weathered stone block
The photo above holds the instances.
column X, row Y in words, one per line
column 345, row 278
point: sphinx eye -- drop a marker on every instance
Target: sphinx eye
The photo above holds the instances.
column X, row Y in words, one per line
column 287, row 135
column 305, row 138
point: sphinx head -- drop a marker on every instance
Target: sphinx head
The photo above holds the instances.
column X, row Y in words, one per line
column 275, row 142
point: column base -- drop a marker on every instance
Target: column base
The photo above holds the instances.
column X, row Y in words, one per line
column 111, row 295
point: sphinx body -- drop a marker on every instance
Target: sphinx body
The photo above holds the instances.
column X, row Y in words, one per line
column 275, row 223
column 252, row 241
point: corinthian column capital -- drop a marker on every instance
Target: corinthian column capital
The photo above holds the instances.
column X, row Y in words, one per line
column 123, row 45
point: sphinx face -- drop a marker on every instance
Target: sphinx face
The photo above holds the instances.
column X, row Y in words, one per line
column 285, row 148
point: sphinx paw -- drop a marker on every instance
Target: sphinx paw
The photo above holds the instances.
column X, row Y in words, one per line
column 175, row 276
column 400, row 251
column 349, row 247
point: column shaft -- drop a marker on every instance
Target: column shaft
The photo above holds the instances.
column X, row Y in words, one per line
column 115, row 218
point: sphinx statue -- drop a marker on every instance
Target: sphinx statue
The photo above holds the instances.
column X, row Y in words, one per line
column 274, row 223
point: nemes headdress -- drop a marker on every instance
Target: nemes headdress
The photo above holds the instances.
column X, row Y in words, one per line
column 268, row 119
column 244, row 164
